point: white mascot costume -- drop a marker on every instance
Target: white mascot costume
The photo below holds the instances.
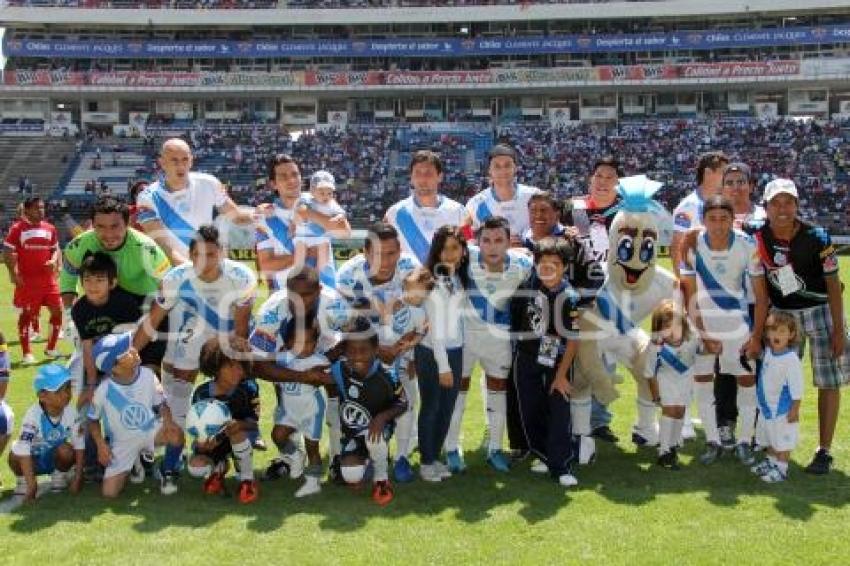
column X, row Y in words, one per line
column 611, row 334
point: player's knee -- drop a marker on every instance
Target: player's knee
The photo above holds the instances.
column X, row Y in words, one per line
column 464, row 383
column 199, row 467
column 497, row 383
column 353, row 473
column 15, row 463
column 111, row 488
column 280, row 435
column 746, row 380
column 63, row 457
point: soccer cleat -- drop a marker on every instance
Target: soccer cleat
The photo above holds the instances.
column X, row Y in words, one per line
column 402, row 471
column 443, row 470
column 773, row 475
column 821, row 463
column 429, row 473
column 455, row 462
column 249, row 491
column 498, row 461
column 214, row 484
column 762, row 467
column 28, row 359
column 727, row 437
column 744, row 454
column 35, row 336
column 276, row 470
column 382, row 492
column 539, row 467
column 567, row 480
column 518, row 454
column 711, row 454
column 311, row 487
column 53, row 354
column 640, row 438
column 168, row 483
column 605, row 433
column 137, row 474
column 58, row 481
column 259, row 444
column 669, row 460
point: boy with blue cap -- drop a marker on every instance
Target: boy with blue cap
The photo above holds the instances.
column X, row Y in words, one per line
column 135, row 417
column 51, row 441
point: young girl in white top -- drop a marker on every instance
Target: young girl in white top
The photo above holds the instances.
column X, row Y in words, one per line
column 670, row 368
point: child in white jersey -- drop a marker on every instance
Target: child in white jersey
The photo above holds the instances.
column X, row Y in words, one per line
column 403, row 324
column 7, row 417
column 311, row 238
column 130, row 405
column 670, row 369
column 300, row 409
column 780, row 390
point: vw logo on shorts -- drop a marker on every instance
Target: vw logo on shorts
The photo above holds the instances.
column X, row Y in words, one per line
column 354, row 415
column 135, row 416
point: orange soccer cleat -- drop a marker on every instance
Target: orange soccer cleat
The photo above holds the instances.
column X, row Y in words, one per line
column 249, row 491
column 382, row 492
column 214, row 484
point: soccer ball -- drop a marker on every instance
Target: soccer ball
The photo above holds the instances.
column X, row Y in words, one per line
column 206, row 418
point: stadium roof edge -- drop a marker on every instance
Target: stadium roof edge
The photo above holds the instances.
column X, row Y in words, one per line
column 9, row 16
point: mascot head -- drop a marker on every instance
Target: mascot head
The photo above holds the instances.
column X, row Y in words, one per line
column 634, row 234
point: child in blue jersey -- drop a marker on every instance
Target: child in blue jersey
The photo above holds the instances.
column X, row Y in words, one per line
column 7, row 417
column 128, row 408
column 50, row 441
column 670, row 368
column 779, row 390
column 228, row 385
column 300, row 410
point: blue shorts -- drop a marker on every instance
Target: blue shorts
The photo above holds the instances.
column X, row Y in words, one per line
column 44, row 463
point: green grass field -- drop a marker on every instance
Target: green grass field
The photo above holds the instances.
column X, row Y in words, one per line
column 625, row 510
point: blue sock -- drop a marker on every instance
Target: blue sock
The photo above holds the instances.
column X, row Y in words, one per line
column 171, row 462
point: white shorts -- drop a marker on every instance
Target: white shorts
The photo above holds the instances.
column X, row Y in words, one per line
column 311, row 241
column 124, row 454
column 7, row 419
column 675, row 389
column 187, row 335
column 781, row 434
column 301, row 407
column 730, row 360
column 492, row 351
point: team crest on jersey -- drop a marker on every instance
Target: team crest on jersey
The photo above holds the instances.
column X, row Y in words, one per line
column 354, row 392
column 55, row 435
column 271, row 316
column 354, row 415
column 401, row 320
column 780, row 259
column 683, row 220
column 134, row 416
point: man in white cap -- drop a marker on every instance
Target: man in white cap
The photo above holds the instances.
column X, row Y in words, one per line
column 802, row 274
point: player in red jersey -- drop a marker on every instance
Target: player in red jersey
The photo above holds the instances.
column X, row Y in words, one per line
column 32, row 257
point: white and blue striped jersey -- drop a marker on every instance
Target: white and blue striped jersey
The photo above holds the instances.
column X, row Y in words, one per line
column 127, row 412
column 486, row 204
column 41, row 433
column 780, row 382
column 213, row 302
column 275, row 320
column 182, row 212
column 416, row 224
column 490, row 292
column 721, row 275
column 688, row 213
column 352, row 281
column 297, row 363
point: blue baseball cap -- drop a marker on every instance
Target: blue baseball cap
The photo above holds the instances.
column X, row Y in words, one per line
column 51, row 378
column 108, row 349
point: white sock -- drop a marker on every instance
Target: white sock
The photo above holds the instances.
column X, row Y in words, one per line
column 746, row 401
column 453, row 437
column 334, row 430
column 761, row 432
column 686, row 420
column 378, row 452
column 245, row 458
column 404, row 424
column 676, row 432
column 665, row 435
column 497, row 416
column 646, row 422
column 580, row 410
column 178, row 397
column 705, row 403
